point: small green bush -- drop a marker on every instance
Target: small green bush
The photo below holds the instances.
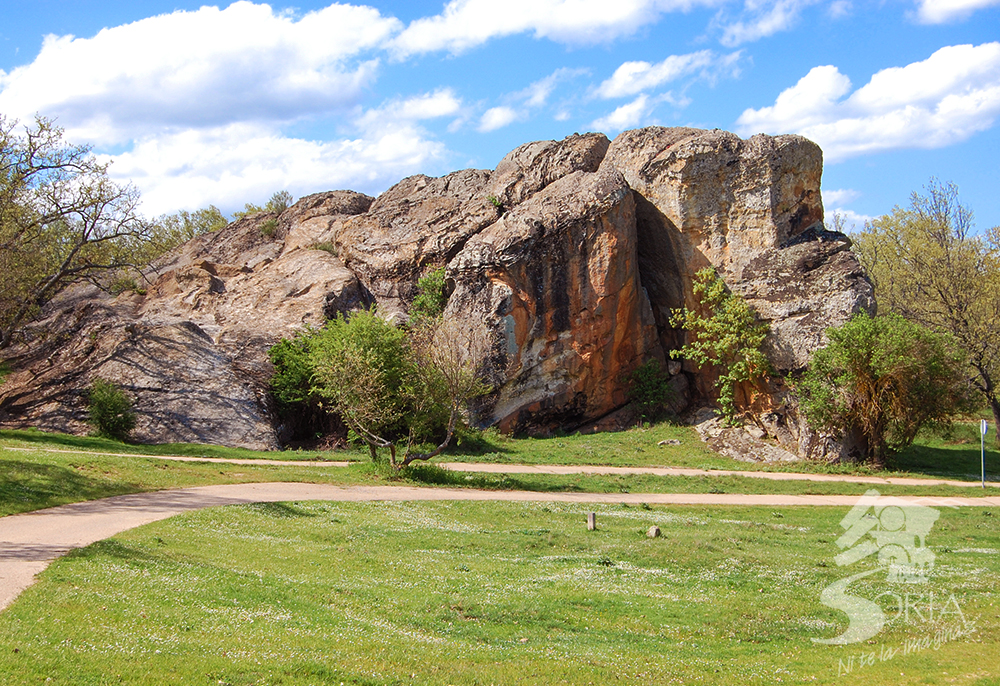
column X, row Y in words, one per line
column 431, row 301
column 649, row 389
column 326, row 246
column 110, row 410
column 269, row 228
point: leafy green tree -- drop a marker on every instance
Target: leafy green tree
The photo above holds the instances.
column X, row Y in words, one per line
column 928, row 265
column 392, row 387
column 883, row 379
column 62, row 220
column 110, row 410
column 171, row 230
column 724, row 332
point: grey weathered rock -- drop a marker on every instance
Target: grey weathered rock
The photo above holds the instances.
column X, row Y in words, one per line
column 191, row 351
column 653, row 532
column 556, row 276
column 416, row 226
column 533, row 166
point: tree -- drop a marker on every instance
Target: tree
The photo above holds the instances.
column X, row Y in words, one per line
column 884, row 378
column 171, row 230
column 928, row 265
column 392, row 386
column 725, row 332
column 62, row 220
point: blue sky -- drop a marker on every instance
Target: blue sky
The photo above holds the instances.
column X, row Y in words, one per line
column 226, row 104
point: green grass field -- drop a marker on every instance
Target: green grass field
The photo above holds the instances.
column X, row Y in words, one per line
column 37, row 476
column 494, row 593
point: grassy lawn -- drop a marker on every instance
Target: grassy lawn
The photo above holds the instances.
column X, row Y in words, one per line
column 41, row 478
column 494, row 593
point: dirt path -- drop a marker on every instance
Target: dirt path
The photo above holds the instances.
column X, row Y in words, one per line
column 29, row 542
column 494, row 468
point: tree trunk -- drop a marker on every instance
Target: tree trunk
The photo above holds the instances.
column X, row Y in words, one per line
column 995, row 406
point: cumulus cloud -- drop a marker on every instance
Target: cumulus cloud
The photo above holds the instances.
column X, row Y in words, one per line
column 839, row 196
column 204, row 68
column 763, row 18
column 465, row 24
column 497, row 118
column 230, row 165
column 634, row 77
column 625, row 117
column 942, row 100
column 944, row 11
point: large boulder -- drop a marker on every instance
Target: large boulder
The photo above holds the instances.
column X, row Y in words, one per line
column 557, row 278
column 751, row 209
column 189, row 344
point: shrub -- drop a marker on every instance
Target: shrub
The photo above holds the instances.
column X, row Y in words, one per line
column 431, row 300
column 110, row 410
column 885, row 378
column 269, row 228
column 724, row 332
column 649, row 389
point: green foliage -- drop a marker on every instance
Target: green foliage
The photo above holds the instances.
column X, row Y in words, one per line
column 291, row 383
column 361, row 369
column 121, row 283
column 171, row 230
column 326, row 246
column 649, row 389
column 62, row 221
column 884, row 378
column 431, row 300
column 724, row 332
column 269, row 228
column 928, row 264
column 278, row 203
column 110, row 410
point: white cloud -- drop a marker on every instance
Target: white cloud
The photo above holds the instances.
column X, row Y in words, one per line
column 764, row 18
column 634, row 77
column 943, row 11
column 204, row 68
column 849, row 221
column 625, row 117
column 840, row 9
column 231, row 165
column 465, row 24
column 942, row 100
column 441, row 103
column 519, row 105
column 840, row 196
column 497, row 118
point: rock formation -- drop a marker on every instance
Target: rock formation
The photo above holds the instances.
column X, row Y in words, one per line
column 576, row 251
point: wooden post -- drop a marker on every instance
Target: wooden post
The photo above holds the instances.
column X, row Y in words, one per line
column 591, row 521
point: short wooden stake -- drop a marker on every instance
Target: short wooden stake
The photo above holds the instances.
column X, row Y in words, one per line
column 591, row 521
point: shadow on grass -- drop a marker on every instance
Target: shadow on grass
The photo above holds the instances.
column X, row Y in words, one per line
column 432, row 475
column 108, row 445
column 957, row 461
column 111, row 548
column 281, row 510
column 28, row 486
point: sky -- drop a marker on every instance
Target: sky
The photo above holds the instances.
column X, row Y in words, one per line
column 226, row 104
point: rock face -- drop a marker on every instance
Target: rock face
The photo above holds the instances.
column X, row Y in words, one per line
column 575, row 251
column 574, row 322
